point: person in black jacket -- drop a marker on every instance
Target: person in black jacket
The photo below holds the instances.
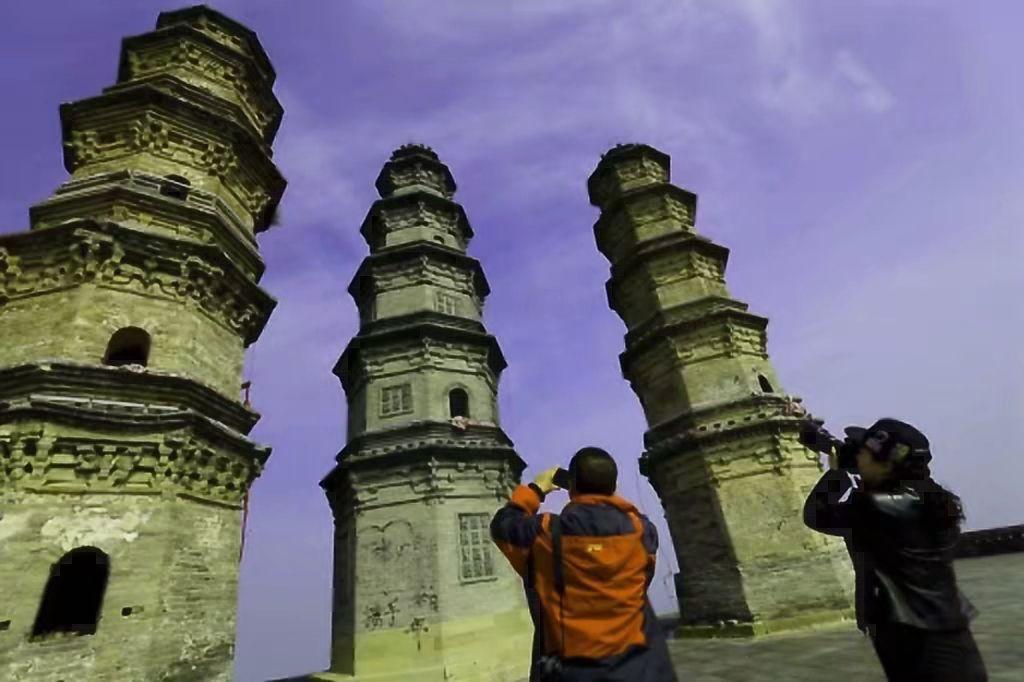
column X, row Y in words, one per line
column 901, row 528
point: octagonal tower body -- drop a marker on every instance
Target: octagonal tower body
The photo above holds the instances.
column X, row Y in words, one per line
column 419, row 589
column 721, row 451
column 124, row 315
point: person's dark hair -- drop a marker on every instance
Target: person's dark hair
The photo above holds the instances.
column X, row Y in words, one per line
column 942, row 509
column 594, row 471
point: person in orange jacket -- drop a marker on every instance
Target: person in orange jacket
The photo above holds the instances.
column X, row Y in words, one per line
column 592, row 618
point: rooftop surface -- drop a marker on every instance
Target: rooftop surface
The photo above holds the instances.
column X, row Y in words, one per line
column 994, row 584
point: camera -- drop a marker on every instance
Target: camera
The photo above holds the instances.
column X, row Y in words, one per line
column 815, row 436
column 562, row 479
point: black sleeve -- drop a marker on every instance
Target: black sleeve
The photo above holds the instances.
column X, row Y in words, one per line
column 823, row 510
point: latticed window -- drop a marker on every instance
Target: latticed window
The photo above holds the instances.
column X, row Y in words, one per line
column 446, row 303
column 396, row 400
column 475, row 547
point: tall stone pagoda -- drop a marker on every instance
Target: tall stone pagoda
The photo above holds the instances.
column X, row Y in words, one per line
column 419, row 590
column 721, row 450
column 124, row 314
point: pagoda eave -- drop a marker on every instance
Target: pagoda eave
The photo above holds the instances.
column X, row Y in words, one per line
column 412, row 250
column 418, row 327
column 103, row 384
column 190, row 15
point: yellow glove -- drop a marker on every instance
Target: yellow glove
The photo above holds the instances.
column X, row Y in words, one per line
column 545, row 480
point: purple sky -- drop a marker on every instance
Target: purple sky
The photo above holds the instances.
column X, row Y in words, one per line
column 861, row 160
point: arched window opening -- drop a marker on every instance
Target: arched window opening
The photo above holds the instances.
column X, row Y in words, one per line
column 176, row 186
column 766, row 385
column 74, row 593
column 127, row 346
column 458, row 403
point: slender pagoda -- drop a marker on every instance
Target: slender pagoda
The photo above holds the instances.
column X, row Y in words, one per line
column 124, row 314
column 419, row 591
column 721, row 450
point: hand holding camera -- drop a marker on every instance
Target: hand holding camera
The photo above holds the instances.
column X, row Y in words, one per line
column 552, row 479
column 842, row 454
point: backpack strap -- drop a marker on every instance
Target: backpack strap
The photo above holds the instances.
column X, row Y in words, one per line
column 556, row 549
column 638, row 525
column 559, row 571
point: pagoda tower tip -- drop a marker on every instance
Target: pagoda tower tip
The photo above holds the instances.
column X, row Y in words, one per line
column 624, row 168
column 415, row 167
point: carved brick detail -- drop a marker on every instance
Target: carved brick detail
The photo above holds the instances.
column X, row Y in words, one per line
column 221, row 72
column 180, row 464
column 230, row 299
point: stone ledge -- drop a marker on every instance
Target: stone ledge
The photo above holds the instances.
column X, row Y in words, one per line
column 116, row 390
column 990, row 541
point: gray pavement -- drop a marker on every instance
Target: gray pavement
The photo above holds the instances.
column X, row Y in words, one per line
column 995, row 584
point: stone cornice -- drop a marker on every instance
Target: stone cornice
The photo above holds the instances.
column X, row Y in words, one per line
column 118, row 388
column 201, row 216
column 416, row 328
column 622, row 201
column 429, row 473
column 111, row 255
column 689, row 317
column 233, row 149
column 421, row 198
column 678, row 241
column 413, row 251
column 173, row 41
column 707, row 419
column 53, row 409
column 420, row 434
column 763, row 414
column 180, row 455
column 431, row 317
column 172, row 85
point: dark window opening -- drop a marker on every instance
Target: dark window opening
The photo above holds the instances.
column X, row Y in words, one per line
column 765, row 384
column 175, row 186
column 458, row 403
column 74, row 593
column 366, row 294
column 5, row 625
column 128, row 346
column 439, row 239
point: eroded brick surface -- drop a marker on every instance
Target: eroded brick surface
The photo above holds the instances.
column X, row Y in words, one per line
column 124, row 314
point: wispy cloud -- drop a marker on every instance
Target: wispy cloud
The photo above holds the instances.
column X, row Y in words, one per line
column 858, row 185
column 868, row 90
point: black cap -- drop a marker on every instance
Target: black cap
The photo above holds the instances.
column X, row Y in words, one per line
column 901, row 431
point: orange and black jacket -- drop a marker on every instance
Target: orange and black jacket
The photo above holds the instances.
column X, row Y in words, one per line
column 608, row 557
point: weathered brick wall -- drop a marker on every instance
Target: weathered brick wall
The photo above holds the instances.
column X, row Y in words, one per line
column 152, row 475
column 173, row 562
column 468, row 598
column 76, row 324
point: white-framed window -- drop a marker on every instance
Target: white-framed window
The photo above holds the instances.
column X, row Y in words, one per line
column 447, row 303
column 475, row 547
column 395, row 400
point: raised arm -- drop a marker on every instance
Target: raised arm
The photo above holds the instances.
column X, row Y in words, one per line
column 650, row 542
column 832, row 507
column 516, row 525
